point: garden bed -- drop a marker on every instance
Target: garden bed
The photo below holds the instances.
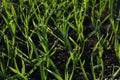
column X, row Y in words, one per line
column 59, row 40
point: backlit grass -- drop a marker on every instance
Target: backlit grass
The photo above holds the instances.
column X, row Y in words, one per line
column 33, row 31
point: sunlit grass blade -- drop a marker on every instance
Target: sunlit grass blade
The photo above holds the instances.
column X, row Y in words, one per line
column 34, row 68
column 66, row 69
column 56, row 75
column 92, row 68
column 23, row 67
column 18, row 73
column 83, row 70
column 115, row 74
column 51, row 32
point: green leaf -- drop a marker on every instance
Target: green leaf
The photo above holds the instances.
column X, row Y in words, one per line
column 18, row 73
column 55, row 74
column 23, row 67
column 13, row 12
